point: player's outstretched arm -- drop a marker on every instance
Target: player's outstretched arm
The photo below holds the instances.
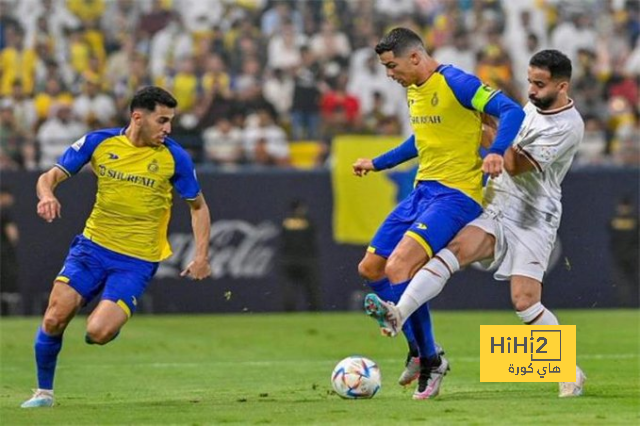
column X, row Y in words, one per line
column 398, row 155
column 199, row 268
column 49, row 207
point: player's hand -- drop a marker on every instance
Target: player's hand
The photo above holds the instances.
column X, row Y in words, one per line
column 197, row 269
column 362, row 166
column 49, row 208
column 493, row 165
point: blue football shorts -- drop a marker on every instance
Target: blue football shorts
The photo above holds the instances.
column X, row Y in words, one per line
column 432, row 215
column 90, row 268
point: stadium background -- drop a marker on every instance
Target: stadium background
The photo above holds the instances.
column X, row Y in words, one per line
column 276, row 100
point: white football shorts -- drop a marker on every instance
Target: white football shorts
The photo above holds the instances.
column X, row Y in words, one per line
column 519, row 250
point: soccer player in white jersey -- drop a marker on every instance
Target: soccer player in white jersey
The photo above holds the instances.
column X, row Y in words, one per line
column 518, row 228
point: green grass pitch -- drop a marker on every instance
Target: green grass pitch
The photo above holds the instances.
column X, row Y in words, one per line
column 274, row 369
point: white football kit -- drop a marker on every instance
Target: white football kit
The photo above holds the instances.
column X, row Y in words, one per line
column 523, row 212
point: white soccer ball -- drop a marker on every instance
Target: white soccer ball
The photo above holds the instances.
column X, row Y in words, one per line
column 356, row 377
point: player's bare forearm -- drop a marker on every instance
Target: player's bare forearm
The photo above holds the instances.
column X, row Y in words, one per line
column 489, row 130
column 199, row 267
column 516, row 163
column 49, row 207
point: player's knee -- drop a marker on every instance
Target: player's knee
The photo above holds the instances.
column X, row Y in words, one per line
column 523, row 301
column 456, row 247
column 99, row 336
column 53, row 325
column 369, row 271
column 396, row 270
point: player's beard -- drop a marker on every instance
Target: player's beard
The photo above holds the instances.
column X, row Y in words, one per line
column 543, row 103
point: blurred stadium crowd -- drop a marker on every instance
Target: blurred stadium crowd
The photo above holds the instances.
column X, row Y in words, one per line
column 253, row 78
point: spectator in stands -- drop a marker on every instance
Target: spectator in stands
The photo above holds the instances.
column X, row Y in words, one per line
column 24, row 110
column 593, row 147
column 274, row 19
column 223, row 144
column 156, row 19
column 169, row 47
column 125, row 88
column 369, row 80
column 53, row 93
column 305, row 107
column 185, row 85
column 17, row 62
column 458, row 53
column 265, row 142
column 340, row 109
column 78, row 51
column 119, row 22
column 284, row 48
column 118, row 66
column 250, row 76
column 57, row 133
column 572, row 34
column 330, row 44
column 95, row 108
column 16, row 148
column 278, row 90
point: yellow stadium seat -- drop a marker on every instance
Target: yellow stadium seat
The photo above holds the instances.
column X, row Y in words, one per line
column 306, row 154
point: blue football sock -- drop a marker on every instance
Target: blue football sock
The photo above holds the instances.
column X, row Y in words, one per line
column 420, row 322
column 384, row 290
column 47, row 349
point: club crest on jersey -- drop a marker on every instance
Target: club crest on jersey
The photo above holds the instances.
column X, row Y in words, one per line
column 78, row 144
column 434, row 99
column 153, row 167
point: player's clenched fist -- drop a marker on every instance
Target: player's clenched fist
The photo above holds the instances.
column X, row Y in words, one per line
column 362, row 166
column 493, row 165
column 49, row 208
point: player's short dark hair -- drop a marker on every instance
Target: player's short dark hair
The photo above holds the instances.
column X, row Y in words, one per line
column 556, row 62
column 398, row 41
column 148, row 97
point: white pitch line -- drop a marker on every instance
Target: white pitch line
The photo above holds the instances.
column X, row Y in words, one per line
column 268, row 363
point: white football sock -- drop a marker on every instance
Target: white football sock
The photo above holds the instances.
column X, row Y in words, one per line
column 428, row 282
column 537, row 310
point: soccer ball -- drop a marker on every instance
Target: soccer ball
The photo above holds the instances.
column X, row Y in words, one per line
column 356, row 377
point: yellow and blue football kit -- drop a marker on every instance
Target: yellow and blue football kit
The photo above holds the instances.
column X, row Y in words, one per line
column 445, row 114
column 126, row 234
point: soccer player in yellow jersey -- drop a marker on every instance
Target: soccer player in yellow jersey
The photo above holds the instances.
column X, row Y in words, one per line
column 126, row 234
column 446, row 107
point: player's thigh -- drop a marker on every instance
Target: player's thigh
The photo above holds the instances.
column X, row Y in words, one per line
column 441, row 219
column 63, row 305
column 84, row 269
column 127, row 279
column 472, row 244
column 408, row 257
column 106, row 320
column 525, row 292
column 78, row 282
column 395, row 225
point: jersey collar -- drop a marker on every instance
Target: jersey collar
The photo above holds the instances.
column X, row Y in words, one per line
column 557, row 110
